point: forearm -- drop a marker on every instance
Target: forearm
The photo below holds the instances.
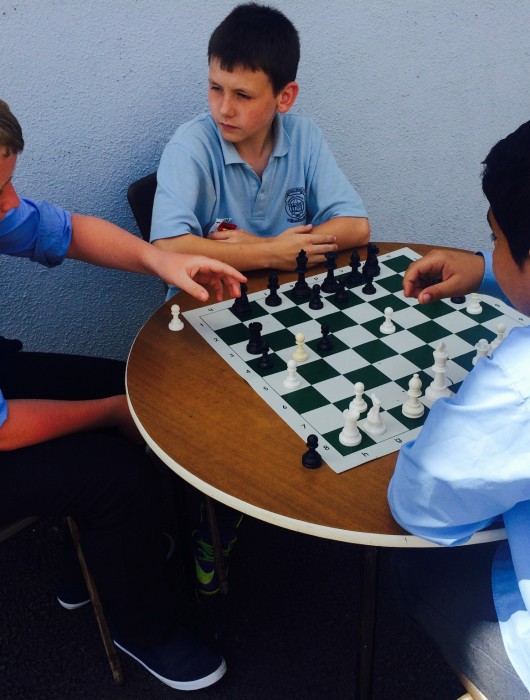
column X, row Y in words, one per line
column 242, row 256
column 101, row 243
column 349, row 231
column 31, row 421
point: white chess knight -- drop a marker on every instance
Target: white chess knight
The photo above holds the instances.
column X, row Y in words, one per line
column 501, row 332
column 300, row 353
column 374, row 425
column 482, row 348
column 474, row 306
column 388, row 326
column 176, row 323
column 358, row 403
column 438, row 387
column 350, row 435
column 292, row 379
column 413, row 408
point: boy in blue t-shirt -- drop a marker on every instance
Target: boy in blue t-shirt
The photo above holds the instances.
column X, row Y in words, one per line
column 248, row 183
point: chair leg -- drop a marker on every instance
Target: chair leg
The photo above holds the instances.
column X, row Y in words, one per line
column 217, row 545
column 110, row 648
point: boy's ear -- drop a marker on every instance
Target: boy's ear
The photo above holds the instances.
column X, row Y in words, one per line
column 287, row 97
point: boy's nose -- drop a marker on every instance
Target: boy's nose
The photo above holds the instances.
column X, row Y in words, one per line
column 227, row 106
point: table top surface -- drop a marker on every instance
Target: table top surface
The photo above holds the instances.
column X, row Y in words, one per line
column 208, row 425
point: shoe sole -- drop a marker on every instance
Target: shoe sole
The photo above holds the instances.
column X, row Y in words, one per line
column 72, row 606
column 196, row 684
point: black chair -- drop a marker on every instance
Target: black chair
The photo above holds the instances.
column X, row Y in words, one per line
column 141, row 197
column 12, row 528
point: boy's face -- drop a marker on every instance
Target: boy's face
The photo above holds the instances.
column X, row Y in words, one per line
column 514, row 282
column 243, row 104
column 8, row 197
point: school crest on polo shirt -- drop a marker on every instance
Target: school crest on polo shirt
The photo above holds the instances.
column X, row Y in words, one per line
column 295, row 205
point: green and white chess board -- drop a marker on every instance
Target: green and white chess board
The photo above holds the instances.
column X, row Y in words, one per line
column 360, row 353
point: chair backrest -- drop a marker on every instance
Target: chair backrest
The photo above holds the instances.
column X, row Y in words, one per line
column 141, row 195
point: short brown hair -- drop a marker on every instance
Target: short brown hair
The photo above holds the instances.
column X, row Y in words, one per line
column 11, row 139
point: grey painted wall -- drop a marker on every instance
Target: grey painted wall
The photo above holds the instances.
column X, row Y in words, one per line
column 411, row 94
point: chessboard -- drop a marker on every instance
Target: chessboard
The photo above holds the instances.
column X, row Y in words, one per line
column 384, row 363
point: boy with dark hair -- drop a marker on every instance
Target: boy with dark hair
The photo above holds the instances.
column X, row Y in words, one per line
column 248, row 183
column 69, row 446
column 471, row 462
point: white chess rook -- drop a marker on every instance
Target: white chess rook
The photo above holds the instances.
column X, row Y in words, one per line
column 474, row 308
column 350, row 435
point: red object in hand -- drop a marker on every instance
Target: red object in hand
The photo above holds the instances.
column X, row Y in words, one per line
column 224, row 225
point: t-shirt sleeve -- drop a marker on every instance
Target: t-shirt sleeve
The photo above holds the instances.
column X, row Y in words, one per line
column 38, row 231
column 184, row 196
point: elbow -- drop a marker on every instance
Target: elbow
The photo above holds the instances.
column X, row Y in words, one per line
column 363, row 233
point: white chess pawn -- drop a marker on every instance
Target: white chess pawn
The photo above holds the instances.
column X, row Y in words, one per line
column 350, row 435
column 300, row 354
column 358, row 403
column 176, row 323
column 374, row 424
column 501, row 332
column 438, row 387
column 413, row 408
column 482, row 348
column 292, row 380
column 474, row 308
column 387, row 326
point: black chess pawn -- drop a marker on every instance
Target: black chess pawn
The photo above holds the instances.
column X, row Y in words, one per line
column 369, row 287
column 241, row 306
column 316, row 302
column 458, row 300
column 265, row 361
column 301, row 289
column 255, row 344
column 311, row 459
column 274, row 299
column 325, row 344
column 330, row 284
column 342, row 294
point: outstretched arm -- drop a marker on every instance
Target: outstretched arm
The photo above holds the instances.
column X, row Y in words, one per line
column 101, row 243
column 31, row 421
column 443, row 273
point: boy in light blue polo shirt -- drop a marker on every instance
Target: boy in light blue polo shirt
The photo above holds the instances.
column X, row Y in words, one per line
column 268, row 174
column 250, row 184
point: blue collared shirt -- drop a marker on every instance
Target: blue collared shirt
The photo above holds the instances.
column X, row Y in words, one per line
column 470, row 464
column 40, row 232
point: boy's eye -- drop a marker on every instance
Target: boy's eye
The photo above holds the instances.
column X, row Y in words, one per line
column 243, row 95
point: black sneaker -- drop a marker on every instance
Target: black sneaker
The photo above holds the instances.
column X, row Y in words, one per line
column 182, row 662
